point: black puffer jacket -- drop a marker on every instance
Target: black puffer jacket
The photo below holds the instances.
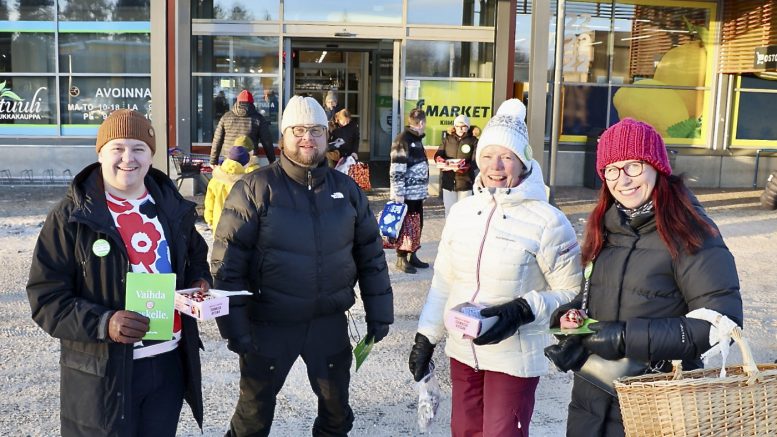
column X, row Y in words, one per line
column 454, row 147
column 299, row 239
column 347, row 137
column 72, row 292
column 635, row 280
column 243, row 119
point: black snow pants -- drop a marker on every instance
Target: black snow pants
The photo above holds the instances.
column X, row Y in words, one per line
column 324, row 346
column 593, row 412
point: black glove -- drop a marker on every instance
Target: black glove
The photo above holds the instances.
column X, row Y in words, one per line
column 241, row 345
column 568, row 354
column 420, row 356
column 377, row 330
column 511, row 315
column 607, row 340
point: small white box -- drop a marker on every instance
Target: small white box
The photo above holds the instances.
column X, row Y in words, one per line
column 211, row 307
column 465, row 319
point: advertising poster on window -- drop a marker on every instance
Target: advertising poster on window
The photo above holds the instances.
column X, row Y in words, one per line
column 443, row 100
column 26, row 106
column 87, row 101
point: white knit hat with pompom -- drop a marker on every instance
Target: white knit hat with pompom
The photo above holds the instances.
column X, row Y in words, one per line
column 507, row 129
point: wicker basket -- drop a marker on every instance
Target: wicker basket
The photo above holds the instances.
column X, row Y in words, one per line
column 700, row 402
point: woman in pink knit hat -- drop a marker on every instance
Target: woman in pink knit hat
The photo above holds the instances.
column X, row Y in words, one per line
column 656, row 268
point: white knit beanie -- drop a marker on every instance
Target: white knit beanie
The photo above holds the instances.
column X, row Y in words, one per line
column 461, row 119
column 507, row 129
column 303, row 111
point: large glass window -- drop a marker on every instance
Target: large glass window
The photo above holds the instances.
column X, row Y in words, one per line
column 648, row 60
column 104, row 53
column 449, row 59
column 338, row 11
column 223, row 66
column 21, row 10
column 755, row 111
column 452, row 12
column 236, row 54
column 27, row 52
column 104, row 10
column 236, row 10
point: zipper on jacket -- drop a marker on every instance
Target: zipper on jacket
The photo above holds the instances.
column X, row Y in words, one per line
column 310, row 180
column 477, row 278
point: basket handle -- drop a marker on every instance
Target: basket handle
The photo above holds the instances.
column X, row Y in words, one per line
column 748, row 361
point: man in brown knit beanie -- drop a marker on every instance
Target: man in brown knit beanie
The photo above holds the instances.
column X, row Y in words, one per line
column 119, row 216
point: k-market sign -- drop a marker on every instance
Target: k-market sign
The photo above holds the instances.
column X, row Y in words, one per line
column 766, row 57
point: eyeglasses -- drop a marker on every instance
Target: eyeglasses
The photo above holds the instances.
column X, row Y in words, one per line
column 461, row 126
column 315, row 131
column 632, row 169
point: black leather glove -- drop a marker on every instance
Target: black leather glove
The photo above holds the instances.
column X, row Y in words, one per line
column 241, row 345
column 568, row 354
column 511, row 315
column 420, row 356
column 607, row 340
column 377, row 330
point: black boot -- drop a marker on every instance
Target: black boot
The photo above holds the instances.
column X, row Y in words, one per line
column 404, row 266
column 415, row 262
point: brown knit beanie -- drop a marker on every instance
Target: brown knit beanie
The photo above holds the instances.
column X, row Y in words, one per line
column 126, row 123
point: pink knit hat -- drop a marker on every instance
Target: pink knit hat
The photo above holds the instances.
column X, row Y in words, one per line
column 632, row 139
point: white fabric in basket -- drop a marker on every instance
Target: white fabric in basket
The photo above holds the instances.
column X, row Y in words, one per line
column 720, row 335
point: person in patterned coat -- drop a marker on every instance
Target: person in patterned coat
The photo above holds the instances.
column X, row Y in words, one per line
column 119, row 216
column 409, row 178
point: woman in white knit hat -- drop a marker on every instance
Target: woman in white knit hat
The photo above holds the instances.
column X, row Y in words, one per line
column 526, row 265
column 458, row 145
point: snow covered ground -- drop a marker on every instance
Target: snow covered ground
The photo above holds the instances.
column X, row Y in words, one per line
column 382, row 392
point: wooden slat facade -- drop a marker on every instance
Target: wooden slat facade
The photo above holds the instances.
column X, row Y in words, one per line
column 747, row 24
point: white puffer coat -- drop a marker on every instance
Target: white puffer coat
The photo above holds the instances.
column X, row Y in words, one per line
column 498, row 245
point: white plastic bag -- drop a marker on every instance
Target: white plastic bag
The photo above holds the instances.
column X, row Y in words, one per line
column 428, row 399
column 344, row 164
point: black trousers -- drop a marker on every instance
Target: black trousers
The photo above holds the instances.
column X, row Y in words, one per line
column 157, row 395
column 414, row 206
column 324, row 346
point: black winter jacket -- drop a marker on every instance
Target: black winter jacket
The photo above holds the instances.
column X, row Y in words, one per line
column 348, row 137
column 243, row 119
column 409, row 169
column 73, row 292
column 635, row 280
column 299, row 239
column 454, row 147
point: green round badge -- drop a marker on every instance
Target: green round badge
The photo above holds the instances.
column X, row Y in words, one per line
column 101, row 247
column 589, row 268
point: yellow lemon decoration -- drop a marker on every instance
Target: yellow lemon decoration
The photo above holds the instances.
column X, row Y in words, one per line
column 684, row 65
column 661, row 108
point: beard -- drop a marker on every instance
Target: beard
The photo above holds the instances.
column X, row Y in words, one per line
column 304, row 159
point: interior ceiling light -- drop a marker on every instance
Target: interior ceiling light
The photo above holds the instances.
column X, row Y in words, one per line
column 321, row 59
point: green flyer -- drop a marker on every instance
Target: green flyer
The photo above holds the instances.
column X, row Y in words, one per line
column 361, row 351
column 153, row 295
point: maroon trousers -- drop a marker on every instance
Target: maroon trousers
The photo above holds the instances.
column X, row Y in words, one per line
column 490, row 404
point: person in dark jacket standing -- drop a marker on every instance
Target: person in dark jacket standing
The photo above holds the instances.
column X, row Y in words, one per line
column 119, row 215
column 458, row 144
column 243, row 119
column 654, row 261
column 409, row 178
column 299, row 235
column 344, row 139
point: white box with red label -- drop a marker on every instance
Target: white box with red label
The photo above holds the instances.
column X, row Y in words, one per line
column 204, row 305
column 465, row 319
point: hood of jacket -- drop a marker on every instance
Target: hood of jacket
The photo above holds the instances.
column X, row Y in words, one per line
column 87, row 191
column 229, row 171
column 242, row 109
column 531, row 188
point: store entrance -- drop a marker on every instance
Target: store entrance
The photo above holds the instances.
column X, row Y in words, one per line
column 361, row 75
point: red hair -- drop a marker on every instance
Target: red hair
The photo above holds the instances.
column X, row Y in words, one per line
column 678, row 223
